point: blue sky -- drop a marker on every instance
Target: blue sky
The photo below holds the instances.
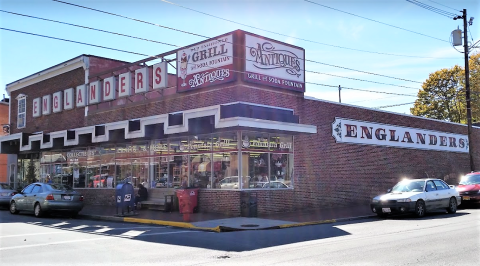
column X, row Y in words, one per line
column 314, row 27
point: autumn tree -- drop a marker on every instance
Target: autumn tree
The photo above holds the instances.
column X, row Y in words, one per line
column 443, row 94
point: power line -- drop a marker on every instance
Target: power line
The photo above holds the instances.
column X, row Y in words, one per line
column 375, row 21
column 302, row 39
column 348, row 88
column 28, row 33
column 433, row 9
column 360, row 79
column 55, row 38
column 393, row 105
column 445, row 6
column 80, row 26
column 227, row 42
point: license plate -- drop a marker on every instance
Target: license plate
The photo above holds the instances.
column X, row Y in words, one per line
column 66, row 197
column 386, row 210
column 466, row 198
column 4, row 194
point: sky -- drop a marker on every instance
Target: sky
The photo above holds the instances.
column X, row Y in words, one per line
column 374, row 49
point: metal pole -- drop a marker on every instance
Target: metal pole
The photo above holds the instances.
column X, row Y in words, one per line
column 339, row 96
column 467, row 92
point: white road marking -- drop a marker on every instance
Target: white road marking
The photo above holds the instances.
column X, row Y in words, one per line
column 60, row 224
column 103, row 230
column 79, row 227
column 34, row 222
column 57, row 243
column 168, row 233
column 132, row 233
column 34, row 234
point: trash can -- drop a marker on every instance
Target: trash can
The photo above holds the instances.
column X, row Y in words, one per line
column 125, row 197
column 188, row 201
column 248, row 204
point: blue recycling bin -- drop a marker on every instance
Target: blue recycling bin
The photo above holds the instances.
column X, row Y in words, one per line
column 125, row 198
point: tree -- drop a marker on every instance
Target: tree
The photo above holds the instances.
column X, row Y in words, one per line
column 443, row 94
column 31, row 173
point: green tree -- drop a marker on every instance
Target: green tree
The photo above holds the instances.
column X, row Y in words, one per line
column 31, row 173
column 443, row 94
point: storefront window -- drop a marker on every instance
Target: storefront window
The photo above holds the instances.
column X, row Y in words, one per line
column 255, row 169
column 281, row 170
column 255, row 141
column 201, row 170
column 225, row 141
column 107, row 166
column 179, row 149
column 225, row 170
column 77, row 163
column 94, row 174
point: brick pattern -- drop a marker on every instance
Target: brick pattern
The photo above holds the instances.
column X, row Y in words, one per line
column 104, row 197
column 325, row 173
column 216, row 201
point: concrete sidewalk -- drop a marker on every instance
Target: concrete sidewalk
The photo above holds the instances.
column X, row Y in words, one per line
column 221, row 223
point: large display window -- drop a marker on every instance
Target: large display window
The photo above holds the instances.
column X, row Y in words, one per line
column 225, row 160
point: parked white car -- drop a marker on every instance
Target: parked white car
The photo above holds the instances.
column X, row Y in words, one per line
column 417, row 196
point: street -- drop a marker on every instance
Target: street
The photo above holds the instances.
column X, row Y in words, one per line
column 437, row 239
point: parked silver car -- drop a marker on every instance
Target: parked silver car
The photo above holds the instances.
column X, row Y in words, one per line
column 41, row 198
column 6, row 193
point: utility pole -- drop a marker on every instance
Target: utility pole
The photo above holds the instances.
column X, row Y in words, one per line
column 339, row 96
column 467, row 89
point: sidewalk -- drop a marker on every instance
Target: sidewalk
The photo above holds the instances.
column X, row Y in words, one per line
column 220, row 222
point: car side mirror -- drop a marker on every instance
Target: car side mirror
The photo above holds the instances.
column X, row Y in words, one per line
column 451, row 186
column 389, row 190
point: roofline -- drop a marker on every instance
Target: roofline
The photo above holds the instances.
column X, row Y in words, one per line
column 382, row 111
column 61, row 68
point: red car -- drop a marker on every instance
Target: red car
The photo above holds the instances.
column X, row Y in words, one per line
column 469, row 188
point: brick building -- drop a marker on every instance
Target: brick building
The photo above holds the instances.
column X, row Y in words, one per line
column 234, row 118
column 3, row 124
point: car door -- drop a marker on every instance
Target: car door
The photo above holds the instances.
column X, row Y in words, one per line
column 22, row 199
column 431, row 196
column 444, row 192
column 33, row 196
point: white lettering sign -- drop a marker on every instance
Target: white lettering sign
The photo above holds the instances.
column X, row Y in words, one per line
column 360, row 132
column 68, row 99
column 36, row 107
column 160, row 75
column 57, row 102
column 109, row 87
column 94, row 92
column 125, row 84
column 141, row 80
column 81, row 99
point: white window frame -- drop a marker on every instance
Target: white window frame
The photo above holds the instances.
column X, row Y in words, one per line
column 22, row 98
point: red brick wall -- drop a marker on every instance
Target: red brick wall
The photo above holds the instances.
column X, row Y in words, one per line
column 3, row 157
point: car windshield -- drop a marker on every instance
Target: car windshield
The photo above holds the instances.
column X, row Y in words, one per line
column 5, row 186
column 58, row 187
column 470, row 180
column 409, row 186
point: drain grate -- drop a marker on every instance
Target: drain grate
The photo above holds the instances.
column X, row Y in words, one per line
column 249, row 225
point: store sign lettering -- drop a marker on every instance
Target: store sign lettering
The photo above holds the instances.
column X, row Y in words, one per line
column 360, row 132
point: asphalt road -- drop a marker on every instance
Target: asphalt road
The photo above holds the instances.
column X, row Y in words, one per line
column 437, row 239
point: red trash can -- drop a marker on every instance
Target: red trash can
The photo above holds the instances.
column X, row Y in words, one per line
column 187, row 201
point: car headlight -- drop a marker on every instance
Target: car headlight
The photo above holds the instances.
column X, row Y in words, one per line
column 404, row 200
column 375, row 200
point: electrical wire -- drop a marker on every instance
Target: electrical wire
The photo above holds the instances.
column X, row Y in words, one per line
column 433, row 9
column 241, row 45
column 333, row 75
column 444, row 5
column 393, row 105
column 374, row 21
column 296, row 38
column 80, row 26
column 28, row 33
column 55, row 38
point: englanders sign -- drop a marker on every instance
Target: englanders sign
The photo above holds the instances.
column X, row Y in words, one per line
column 361, row 132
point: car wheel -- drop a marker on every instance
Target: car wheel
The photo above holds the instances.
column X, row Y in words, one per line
column 452, row 206
column 13, row 208
column 420, row 208
column 38, row 210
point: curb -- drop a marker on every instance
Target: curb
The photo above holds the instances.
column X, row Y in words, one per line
column 217, row 229
column 148, row 221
